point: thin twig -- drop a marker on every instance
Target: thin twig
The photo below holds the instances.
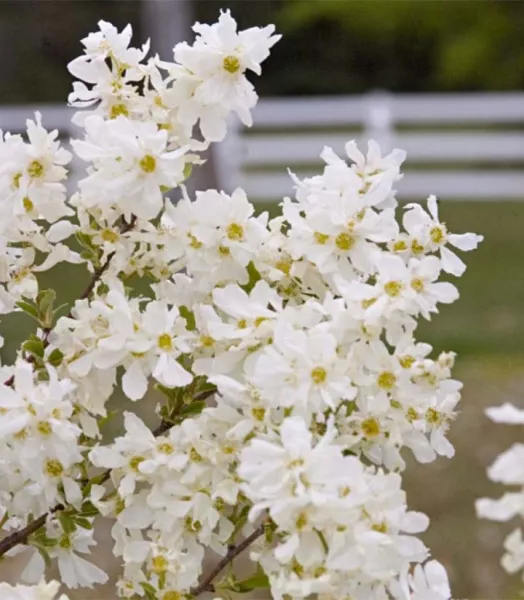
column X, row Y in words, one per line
column 206, row 585
column 20, row 535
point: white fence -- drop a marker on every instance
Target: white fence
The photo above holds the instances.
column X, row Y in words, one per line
column 460, row 146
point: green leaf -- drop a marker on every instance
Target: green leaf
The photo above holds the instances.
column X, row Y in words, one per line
column 168, row 392
column 88, row 255
column 240, row 521
column 149, row 591
column 85, row 240
column 45, row 300
column 67, row 522
column 34, row 346
column 29, row 309
column 257, row 581
column 254, row 276
column 110, row 415
column 203, row 385
column 188, row 316
column 194, row 408
column 55, row 358
column 88, row 509
column 188, row 168
column 83, row 523
column 102, row 289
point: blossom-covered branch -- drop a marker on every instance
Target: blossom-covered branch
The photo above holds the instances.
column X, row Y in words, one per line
column 21, row 536
column 302, row 327
column 207, row 584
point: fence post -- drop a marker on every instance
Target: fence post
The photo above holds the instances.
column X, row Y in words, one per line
column 378, row 119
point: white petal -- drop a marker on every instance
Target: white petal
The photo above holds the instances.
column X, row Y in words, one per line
column 507, row 413
column 134, row 382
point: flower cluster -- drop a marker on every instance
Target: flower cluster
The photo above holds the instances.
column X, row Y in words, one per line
column 43, row 591
column 32, row 210
column 507, row 469
column 282, row 350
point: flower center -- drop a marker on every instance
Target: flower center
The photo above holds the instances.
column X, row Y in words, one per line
column 386, row 380
column 231, row 64
column 148, row 163
column 319, row 375
column 235, row 232
column 437, row 234
column 406, row 361
column 207, row 341
column 165, row 448
column 172, row 595
column 16, row 180
column 44, row 428
column 134, row 463
column 400, row 246
column 27, row 204
column 284, row 266
column 416, row 247
column 370, row 427
column 302, row 521
column 258, row 413
column 344, row 241
column 417, row 284
column 433, row 416
column 165, row 342
column 194, row 242
column 35, row 169
column 159, row 564
column 108, row 235
column 321, row 238
column 393, row 288
column 117, row 110
column 54, row 468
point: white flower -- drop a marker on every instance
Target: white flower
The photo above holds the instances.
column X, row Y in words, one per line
column 42, row 591
column 428, row 582
column 507, row 413
column 215, row 66
column 302, row 370
column 432, row 234
column 132, row 165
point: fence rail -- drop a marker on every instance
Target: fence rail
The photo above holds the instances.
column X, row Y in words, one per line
column 460, row 146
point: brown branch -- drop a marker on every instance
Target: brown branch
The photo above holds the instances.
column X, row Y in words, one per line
column 20, row 535
column 206, row 585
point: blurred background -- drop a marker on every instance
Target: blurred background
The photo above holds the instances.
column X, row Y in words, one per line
column 443, row 80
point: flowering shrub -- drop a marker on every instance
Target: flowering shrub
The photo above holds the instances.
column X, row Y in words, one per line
column 507, row 469
column 283, row 349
